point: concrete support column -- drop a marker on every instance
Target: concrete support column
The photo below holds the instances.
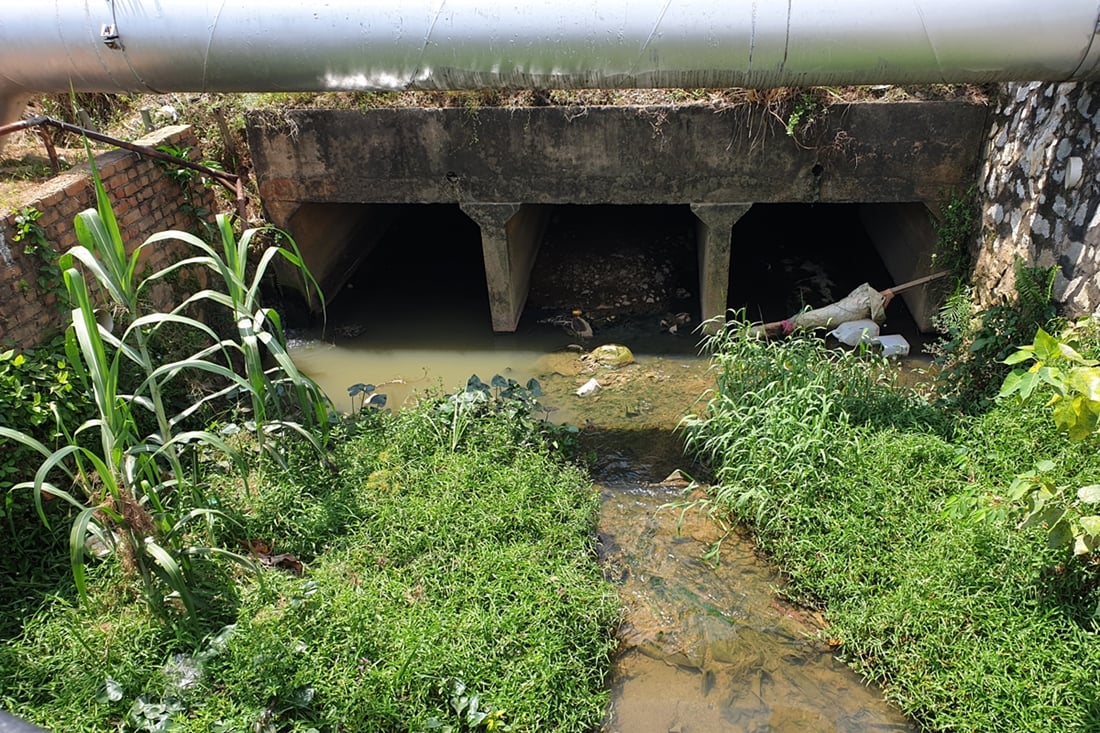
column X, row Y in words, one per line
column 713, row 231
column 510, row 237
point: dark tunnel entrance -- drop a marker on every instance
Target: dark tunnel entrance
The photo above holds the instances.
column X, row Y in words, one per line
column 425, row 275
column 615, row 262
column 620, row 263
column 786, row 257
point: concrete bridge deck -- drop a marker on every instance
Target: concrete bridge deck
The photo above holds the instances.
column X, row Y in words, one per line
column 331, row 177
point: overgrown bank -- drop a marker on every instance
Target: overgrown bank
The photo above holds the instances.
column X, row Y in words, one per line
column 241, row 559
column 892, row 513
column 405, row 565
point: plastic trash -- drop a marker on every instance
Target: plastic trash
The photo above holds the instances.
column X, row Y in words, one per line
column 893, row 345
column 590, row 387
column 854, row 333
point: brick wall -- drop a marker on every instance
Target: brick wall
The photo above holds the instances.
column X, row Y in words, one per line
column 145, row 201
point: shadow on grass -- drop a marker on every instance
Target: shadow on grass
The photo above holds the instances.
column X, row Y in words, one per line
column 34, row 566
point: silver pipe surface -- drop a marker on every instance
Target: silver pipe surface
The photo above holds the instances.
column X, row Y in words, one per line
column 373, row 45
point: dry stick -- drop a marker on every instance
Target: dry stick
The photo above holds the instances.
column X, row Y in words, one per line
column 778, row 328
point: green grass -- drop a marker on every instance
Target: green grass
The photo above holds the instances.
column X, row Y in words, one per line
column 969, row 625
column 422, row 565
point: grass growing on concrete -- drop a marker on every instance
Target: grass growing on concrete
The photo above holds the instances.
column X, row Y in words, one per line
column 434, row 571
column 848, row 479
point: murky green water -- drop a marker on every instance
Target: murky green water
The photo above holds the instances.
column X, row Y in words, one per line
column 705, row 647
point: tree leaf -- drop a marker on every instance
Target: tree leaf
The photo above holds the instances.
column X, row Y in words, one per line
column 1085, row 381
column 1060, row 535
column 1089, row 494
column 1091, row 525
column 1047, row 348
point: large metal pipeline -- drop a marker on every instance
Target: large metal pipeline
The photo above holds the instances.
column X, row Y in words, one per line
column 291, row 45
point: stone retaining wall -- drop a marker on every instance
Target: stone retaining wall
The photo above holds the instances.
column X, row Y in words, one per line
column 145, row 201
column 1039, row 191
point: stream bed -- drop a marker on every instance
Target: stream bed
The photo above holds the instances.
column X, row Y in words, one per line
column 706, row 642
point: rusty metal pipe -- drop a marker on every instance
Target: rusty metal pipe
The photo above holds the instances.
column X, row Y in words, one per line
column 229, row 180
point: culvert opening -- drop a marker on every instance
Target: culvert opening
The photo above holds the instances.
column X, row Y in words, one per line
column 616, row 262
column 425, row 275
column 785, row 257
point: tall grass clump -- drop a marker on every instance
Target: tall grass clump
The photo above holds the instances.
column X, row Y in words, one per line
column 412, row 584
column 849, row 482
column 133, row 472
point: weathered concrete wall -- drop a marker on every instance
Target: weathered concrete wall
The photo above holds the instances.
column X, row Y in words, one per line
column 906, row 151
column 145, row 201
column 492, row 160
column 1040, row 192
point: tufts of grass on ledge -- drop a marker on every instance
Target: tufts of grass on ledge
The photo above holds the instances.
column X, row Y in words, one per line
column 426, row 562
column 969, row 624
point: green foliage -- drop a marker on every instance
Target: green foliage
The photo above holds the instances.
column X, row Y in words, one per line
column 425, row 567
column 803, row 112
column 846, row 488
column 470, row 710
column 971, row 356
column 184, row 178
column 369, row 399
column 1071, row 517
column 35, row 386
column 955, row 228
column 139, row 492
column 800, row 399
column 462, row 412
column 35, row 244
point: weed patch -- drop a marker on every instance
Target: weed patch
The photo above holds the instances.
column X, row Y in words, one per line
column 424, row 567
column 969, row 625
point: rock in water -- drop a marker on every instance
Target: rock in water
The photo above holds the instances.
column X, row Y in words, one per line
column 613, row 355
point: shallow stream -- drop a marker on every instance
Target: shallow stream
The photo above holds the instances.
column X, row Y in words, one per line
column 704, row 646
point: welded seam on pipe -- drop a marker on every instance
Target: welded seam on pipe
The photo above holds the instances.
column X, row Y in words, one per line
column 752, row 37
column 418, row 70
column 125, row 56
column 1088, row 49
column 787, row 38
column 928, row 36
column 649, row 39
column 210, row 44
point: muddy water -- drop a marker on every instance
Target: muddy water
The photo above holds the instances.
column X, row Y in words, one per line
column 705, row 647
column 709, row 647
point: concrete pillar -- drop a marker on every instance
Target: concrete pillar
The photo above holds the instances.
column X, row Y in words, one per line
column 510, row 237
column 714, row 229
column 904, row 236
column 11, row 109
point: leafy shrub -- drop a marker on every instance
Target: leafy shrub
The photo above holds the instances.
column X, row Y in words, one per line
column 971, row 356
column 1070, row 517
column 139, row 491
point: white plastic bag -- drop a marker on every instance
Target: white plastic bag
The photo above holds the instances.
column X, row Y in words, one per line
column 854, row 333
